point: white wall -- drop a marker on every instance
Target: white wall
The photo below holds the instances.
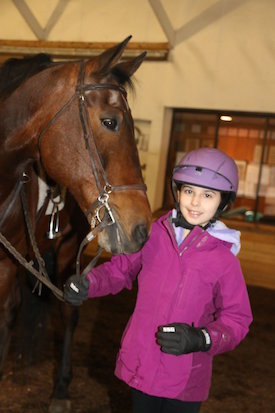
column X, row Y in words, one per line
column 229, row 64
column 223, row 58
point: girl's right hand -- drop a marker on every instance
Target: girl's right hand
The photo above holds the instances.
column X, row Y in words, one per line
column 76, row 290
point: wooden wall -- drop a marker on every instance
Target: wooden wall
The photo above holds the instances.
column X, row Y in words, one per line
column 257, row 253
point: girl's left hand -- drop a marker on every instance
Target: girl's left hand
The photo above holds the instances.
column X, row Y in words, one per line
column 181, row 338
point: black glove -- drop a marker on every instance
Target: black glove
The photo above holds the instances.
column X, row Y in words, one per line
column 76, row 289
column 181, row 338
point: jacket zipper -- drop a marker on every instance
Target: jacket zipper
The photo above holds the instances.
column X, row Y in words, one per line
column 191, row 243
column 170, row 230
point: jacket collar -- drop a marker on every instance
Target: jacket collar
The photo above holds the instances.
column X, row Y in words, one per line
column 195, row 233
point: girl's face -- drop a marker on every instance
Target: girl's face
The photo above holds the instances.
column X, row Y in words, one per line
column 198, row 205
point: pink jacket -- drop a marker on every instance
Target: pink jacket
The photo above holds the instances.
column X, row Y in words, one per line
column 198, row 282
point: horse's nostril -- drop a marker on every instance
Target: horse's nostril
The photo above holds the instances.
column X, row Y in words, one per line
column 140, row 234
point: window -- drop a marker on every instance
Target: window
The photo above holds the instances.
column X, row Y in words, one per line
column 248, row 138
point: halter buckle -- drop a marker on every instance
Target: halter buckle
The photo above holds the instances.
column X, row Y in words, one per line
column 25, row 178
column 103, row 207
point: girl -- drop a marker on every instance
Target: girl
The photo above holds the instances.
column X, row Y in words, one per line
column 192, row 301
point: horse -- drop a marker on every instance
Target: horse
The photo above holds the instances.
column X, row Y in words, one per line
column 67, row 125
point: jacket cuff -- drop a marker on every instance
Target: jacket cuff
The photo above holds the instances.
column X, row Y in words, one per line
column 207, row 339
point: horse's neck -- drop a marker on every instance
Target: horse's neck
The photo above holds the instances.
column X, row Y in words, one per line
column 20, row 126
column 10, row 191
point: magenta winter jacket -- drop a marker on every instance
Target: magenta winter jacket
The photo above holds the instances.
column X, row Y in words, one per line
column 199, row 282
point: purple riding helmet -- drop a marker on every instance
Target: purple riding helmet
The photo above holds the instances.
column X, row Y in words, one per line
column 209, row 168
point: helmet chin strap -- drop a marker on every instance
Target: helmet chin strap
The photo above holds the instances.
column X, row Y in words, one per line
column 180, row 221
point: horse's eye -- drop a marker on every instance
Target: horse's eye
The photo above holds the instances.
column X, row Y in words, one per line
column 110, row 124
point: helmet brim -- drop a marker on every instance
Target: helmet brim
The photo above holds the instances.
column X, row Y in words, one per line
column 202, row 177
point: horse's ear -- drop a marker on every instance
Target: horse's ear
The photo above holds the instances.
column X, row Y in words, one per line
column 110, row 57
column 130, row 66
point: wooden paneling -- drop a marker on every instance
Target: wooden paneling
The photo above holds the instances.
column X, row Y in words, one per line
column 257, row 255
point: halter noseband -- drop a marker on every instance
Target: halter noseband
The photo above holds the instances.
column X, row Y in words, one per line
column 96, row 163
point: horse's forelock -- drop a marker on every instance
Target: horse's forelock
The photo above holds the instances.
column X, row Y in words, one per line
column 122, row 77
column 117, row 73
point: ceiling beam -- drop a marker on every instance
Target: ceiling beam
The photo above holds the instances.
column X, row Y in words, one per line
column 163, row 20
column 40, row 32
column 212, row 14
column 78, row 50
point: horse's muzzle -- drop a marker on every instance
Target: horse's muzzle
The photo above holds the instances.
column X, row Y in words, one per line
column 115, row 239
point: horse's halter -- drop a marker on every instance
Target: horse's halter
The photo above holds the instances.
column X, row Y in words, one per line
column 101, row 205
column 96, row 163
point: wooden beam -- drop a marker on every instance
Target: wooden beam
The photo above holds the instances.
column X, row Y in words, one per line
column 78, row 50
column 33, row 23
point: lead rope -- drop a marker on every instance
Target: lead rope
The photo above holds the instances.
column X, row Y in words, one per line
column 29, row 266
column 98, row 224
column 40, row 261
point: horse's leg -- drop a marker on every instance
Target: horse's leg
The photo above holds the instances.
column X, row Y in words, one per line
column 34, row 313
column 65, row 324
column 63, row 340
column 10, row 299
column 63, row 343
column 75, row 229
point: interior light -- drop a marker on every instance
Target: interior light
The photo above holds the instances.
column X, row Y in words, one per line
column 226, row 118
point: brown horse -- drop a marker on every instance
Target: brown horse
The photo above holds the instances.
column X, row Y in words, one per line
column 66, row 124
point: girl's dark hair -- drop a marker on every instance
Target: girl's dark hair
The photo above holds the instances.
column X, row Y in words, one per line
column 227, row 201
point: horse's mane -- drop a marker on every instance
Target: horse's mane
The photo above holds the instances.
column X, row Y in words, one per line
column 15, row 70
